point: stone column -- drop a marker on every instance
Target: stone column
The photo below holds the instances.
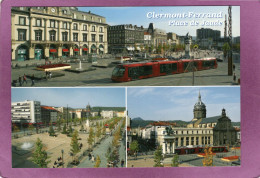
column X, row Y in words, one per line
column 30, row 29
column 70, row 31
column 60, row 51
column 13, row 27
column 45, row 29
column 184, row 141
column 47, row 51
column 59, row 33
column 31, row 53
column 163, row 147
column 200, row 140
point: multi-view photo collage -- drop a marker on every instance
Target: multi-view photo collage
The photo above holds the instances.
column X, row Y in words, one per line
column 125, row 87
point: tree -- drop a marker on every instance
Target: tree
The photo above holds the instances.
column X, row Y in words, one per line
column 226, row 49
column 74, row 145
column 81, row 128
column 91, row 137
column 40, row 155
column 70, row 131
column 98, row 161
column 134, row 146
column 175, row 161
column 208, row 159
column 158, row 157
column 51, row 131
column 64, row 131
column 30, row 127
column 59, row 125
column 16, row 128
column 98, row 131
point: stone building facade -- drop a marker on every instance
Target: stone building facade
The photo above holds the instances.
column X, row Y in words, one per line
column 125, row 38
column 53, row 32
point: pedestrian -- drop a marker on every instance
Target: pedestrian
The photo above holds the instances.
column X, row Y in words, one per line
column 50, row 74
column 234, row 67
column 93, row 158
column 89, row 156
column 122, row 163
column 24, row 79
column 20, row 80
column 234, row 77
column 32, row 78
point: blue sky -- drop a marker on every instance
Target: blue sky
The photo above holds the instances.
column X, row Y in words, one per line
column 138, row 16
column 177, row 103
column 74, row 97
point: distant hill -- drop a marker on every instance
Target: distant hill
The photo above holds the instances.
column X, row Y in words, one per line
column 100, row 108
column 137, row 119
column 139, row 122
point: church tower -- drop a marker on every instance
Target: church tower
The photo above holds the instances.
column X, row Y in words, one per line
column 199, row 110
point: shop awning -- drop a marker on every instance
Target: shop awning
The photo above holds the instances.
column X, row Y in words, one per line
column 76, row 49
column 85, row 49
column 53, row 50
column 65, row 50
column 101, row 49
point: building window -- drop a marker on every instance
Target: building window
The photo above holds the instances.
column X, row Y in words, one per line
column 192, row 140
column 64, row 11
column 93, row 28
column 65, row 25
column 182, row 141
column 74, row 16
column 52, row 36
column 22, row 35
column 187, row 141
column 52, row 23
column 100, row 38
column 38, row 22
column 38, row 35
column 85, row 27
column 22, row 21
column 75, row 37
column 75, row 26
column 100, row 20
column 64, row 36
column 100, row 29
column 202, row 141
column 85, row 37
column 84, row 17
column 93, row 37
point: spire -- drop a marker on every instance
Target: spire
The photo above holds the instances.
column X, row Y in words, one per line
column 223, row 112
column 199, row 97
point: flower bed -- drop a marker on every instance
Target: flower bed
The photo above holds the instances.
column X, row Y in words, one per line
column 230, row 158
column 51, row 67
column 203, row 154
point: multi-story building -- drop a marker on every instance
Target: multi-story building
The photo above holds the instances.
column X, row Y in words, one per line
column 125, row 38
column 159, row 36
column 26, row 112
column 172, row 38
column 48, row 114
column 51, row 32
column 205, row 33
column 108, row 114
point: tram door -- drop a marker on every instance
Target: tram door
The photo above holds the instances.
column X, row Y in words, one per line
column 38, row 54
column 133, row 72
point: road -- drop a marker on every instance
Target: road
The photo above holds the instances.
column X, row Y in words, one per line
column 101, row 76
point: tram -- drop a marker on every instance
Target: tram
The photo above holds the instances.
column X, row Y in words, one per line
column 135, row 71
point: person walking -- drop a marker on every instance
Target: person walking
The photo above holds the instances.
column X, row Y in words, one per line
column 20, row 80
column 234, row 77
column 50, row 74
column 32, row 78
column 93, row 158
column 24, row 79
column 122, row 163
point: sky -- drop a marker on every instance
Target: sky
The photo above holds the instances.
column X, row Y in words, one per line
column 177, row 103
column 74, row 97
column 138, row 16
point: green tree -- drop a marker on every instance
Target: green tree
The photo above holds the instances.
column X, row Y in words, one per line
column 64, row 131
column 98, row 131
column 51, row 130
column 74, row 145
column 30, row 128
column 91, row 137
column 134, row 146
column 40, row 155
column 70, row 131
column 98, row 161
column 226, row 49
column 175, row 161
column 152, row 48
column 16, row 128
column 59, row 125
column 158, row 157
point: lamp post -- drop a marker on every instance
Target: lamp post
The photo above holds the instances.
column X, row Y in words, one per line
column 62, row 151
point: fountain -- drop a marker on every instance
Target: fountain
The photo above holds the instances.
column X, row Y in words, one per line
column 27, row 146
column 79, row 69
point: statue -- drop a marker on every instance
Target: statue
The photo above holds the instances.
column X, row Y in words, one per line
column 169, row 130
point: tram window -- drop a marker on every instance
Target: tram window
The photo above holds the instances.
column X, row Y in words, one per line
column 165, row 68
column 147, row 70
column 133, row 72
column 185, row 65
column 174, row 67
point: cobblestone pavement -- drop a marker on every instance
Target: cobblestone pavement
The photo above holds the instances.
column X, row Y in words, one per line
column 102, row 76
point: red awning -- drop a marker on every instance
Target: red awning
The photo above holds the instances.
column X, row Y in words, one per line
column 65, row 50
column 76, row 49
column 85, row 49
column 53, row 50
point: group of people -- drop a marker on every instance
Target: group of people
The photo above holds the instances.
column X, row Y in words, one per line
column 23, row 79
column 48, row 75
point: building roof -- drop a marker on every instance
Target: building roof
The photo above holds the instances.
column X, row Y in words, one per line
column 161, row 123
column 48, row 108
column 213, row 119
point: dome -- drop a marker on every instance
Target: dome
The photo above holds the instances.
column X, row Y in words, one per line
column 199, row 105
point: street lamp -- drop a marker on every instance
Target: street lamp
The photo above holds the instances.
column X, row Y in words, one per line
column 62, row 151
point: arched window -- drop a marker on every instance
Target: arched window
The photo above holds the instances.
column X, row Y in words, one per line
column 93, row 28
column 75, row 26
